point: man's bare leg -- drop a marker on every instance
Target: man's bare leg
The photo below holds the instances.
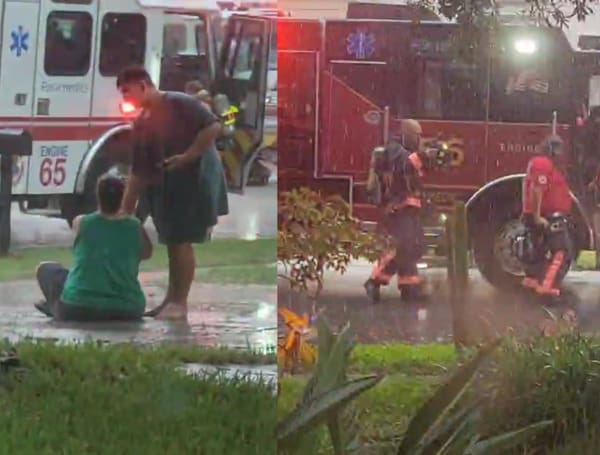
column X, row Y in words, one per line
column 168, row 297
column 182, row 265
column 170, row 292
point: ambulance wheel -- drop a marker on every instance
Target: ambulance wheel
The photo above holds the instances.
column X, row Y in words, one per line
column 492, row 251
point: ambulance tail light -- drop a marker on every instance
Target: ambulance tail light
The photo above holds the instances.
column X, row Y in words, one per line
column 127, row 107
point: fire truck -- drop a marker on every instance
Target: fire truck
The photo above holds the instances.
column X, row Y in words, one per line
column 344, row 86
column 58, row 65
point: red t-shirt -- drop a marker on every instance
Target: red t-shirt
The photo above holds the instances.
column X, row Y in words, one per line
column 556, row 197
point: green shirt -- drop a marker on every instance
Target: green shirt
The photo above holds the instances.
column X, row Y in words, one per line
column 107, row 255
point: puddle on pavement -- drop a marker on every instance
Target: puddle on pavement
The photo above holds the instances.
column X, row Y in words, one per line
column 233, row 316
column 487, row 310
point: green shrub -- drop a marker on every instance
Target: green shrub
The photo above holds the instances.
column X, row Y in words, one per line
column 318, row 233
column 554, row 379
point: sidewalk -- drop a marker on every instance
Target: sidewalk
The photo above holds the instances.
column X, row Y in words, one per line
column 238, row 316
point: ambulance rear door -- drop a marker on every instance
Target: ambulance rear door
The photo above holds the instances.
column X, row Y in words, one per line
column 242, row 76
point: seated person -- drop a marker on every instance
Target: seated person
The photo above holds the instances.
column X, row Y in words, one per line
column 103, row 282
column 195, row 88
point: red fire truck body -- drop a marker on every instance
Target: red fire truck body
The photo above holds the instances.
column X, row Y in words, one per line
column 344, row 86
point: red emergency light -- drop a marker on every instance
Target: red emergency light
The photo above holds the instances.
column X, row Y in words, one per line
column 127, row 107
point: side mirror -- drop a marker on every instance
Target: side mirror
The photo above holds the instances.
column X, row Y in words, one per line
column 15, row 142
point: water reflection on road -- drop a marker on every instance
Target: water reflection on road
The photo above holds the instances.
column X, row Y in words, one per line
column 234, row 316
column 488, row 312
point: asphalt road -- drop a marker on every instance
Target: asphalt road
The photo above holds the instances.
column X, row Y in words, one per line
column 251, row 216
column 487, row 311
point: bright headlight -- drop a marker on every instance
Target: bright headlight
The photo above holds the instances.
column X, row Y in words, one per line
column 525, row 46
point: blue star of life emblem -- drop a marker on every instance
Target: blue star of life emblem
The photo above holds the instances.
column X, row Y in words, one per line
column 360, row 44
column 19, row 43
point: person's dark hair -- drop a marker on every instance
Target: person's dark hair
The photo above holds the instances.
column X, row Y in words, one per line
column 193, row 87
column 133, row 74
column 595, row 113
column 109, row 190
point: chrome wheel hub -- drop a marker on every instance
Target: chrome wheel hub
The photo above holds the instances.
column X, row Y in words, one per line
column 503, row 251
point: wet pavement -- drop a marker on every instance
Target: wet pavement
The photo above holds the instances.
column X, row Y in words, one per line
column 219, row 315
column 487, row 311
column 251, row 216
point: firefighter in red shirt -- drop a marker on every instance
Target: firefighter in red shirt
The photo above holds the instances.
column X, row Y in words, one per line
column 547, row 205
column 398, row 168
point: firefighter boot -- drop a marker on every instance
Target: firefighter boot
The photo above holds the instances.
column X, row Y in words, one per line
column 372, row 289
column 560, row 298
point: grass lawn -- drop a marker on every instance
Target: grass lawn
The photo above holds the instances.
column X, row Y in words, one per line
column 412, row 372
column 586, row 261
column 123, row 399
column 223, row 260
column 239, row 274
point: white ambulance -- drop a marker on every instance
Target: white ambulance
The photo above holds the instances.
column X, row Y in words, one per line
column 58, row 65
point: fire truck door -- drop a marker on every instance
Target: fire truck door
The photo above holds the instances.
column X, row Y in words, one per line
column 242, row 76
column 297, row 110
column 62, row 95
column 18, row 44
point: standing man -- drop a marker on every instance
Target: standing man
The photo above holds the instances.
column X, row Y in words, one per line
column 176, row 164
column 399, row 167
column 588, row 153
column 547, row 205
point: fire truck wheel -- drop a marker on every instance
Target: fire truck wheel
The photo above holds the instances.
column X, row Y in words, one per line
column 492, row 251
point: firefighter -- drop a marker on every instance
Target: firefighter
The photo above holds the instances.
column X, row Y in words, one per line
column 395, row 175
column 547, row 205
column 589, row 157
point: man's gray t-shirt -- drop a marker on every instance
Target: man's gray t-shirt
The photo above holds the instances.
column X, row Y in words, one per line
column 167, row 129
column 186, row 201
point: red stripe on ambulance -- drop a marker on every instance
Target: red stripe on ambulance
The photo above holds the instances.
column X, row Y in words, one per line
column 63, row 128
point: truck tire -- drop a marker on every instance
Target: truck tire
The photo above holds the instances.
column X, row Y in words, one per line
column 492, row 253
column 259, row 174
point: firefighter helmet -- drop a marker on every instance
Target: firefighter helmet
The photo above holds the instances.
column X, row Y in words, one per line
column 552, row 146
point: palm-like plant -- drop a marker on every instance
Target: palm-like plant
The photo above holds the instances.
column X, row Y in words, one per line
column 326, row 399
column 446, row 426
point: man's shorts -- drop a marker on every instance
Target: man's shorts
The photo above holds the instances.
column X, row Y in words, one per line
column 189, row 201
